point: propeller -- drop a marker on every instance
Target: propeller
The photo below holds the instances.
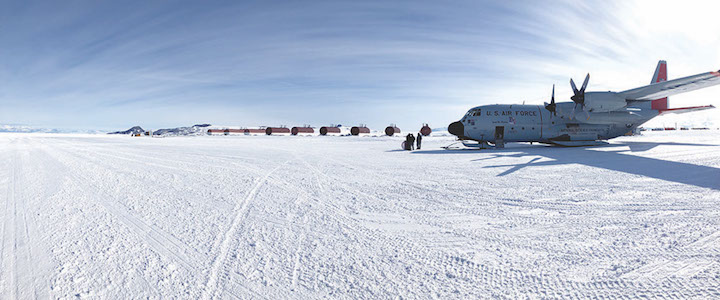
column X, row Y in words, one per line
column 552, row 107
column 579, row 95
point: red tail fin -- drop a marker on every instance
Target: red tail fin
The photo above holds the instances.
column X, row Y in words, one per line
column 660, row 76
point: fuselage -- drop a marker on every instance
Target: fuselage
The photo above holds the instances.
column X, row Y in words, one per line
column 601, row 115
column 534, row 123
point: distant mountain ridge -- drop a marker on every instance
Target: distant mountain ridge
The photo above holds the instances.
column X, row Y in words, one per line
column 20, row 128
column 133, row 130
column 197, row 129
column 23, row 128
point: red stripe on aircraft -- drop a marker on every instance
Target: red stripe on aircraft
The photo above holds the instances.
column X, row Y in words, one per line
column 662, row 73
column 716, row 73
column 659, row 104
column 684, row 108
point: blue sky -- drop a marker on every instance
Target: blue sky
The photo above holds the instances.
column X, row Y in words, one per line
column 114, row 64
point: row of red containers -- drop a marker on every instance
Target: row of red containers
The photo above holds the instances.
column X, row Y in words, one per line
column 325, row 130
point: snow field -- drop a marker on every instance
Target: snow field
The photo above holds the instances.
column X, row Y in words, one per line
column 355, row 217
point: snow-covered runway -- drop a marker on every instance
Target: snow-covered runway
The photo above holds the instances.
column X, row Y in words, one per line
column 315, row 217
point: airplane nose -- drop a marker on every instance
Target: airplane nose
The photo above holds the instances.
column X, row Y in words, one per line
column 456, row 128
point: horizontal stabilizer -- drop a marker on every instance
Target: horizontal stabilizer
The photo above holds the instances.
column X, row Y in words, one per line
column 673, row 87
column 682, row 110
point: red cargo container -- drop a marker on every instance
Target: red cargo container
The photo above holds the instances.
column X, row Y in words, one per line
column 249, row 131
column 357, row 130
column 425, row 130
column 277, row 130
column 306, row 130
column 332, row 130
column 391, row 130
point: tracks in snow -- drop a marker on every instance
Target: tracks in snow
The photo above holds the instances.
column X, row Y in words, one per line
column 354, row 238
column 24, row 265
column 239, row 213
column 161, row 242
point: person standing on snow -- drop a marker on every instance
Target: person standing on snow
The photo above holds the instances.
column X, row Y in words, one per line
column 411, row 139
column 419, row 140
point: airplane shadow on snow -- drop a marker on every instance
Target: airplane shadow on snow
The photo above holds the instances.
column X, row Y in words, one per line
column 615, row 160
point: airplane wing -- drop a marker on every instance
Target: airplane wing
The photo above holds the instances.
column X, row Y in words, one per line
column 682, row 110
column 672, row 87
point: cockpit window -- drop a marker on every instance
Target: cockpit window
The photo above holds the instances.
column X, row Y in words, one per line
column 472, row 113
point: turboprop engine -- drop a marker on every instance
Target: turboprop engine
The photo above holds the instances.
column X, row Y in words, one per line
column 603, row 101
column 595, row 101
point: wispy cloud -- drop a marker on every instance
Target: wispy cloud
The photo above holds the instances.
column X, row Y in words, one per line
column 88, row 64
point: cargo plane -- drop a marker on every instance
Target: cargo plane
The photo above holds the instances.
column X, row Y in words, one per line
column 589, row 119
